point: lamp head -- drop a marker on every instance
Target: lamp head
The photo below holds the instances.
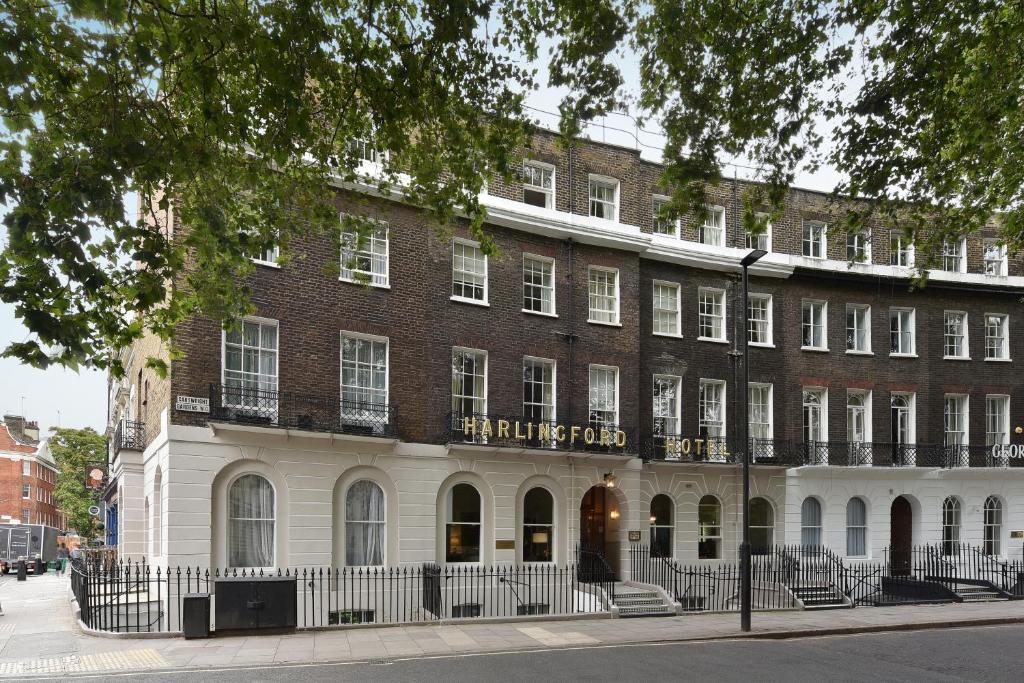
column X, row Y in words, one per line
column 753, row 257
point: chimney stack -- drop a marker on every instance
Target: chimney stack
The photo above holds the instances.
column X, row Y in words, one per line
column 20, row 431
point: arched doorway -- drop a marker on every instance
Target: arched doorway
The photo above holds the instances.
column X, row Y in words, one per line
column 901, row 536
column 599, row 515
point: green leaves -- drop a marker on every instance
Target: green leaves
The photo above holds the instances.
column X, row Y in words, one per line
column 73, row 450
column 231, row 122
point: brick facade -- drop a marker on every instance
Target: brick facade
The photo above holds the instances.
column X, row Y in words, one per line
column 423, row 324
column 23, row 465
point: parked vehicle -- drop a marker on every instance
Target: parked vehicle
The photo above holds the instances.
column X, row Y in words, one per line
column 34, row 543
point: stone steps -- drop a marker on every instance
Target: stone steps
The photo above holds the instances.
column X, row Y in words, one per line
column 820, row 597
column 638, row 602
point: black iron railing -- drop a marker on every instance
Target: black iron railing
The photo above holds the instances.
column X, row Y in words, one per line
column 515, row 431
column 285, row 409
column 792, row 453
column 129, row 436
column 135, row 597
column 930, row 573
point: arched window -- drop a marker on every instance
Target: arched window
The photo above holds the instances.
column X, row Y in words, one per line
column 950, row 525
column 251, row 522
column 538, row 525
column 856, row 528
column 661, row 526
column 993, row 523
column 148, row 525
column 709, row 528
column 462, row 532
column 762, row 526
column 158, row 502
column 810, row 522
column 364, row 524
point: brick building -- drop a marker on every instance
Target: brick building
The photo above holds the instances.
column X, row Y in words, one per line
column 580, row 388
column 28, row 475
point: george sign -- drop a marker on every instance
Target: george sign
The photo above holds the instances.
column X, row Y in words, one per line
column 1017, row 534
column 1005, row 450
column 95, row 475
column 634, row 536
column 94, row 510
column 544, row 431
column 504, row 544
column 192, row 404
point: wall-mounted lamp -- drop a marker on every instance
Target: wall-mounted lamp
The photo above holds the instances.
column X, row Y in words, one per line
column 1018, row 430
column 610, row 479
column 653, row 519
column 614, row 514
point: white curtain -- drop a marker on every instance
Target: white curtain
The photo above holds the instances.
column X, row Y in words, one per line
column 251, row 522
column 364, row 525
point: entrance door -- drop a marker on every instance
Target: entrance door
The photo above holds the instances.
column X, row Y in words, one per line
column 594, row 565
column 592, row 520
column 901, row 520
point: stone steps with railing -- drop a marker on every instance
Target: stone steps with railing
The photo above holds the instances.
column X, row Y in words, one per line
column 634, row 601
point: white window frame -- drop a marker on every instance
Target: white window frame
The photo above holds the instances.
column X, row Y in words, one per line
column 719, row 295
column 549, row 193
column 224, row 363
column 227, row 515
column 1000, row 263
column 947, row 337
column 1004, row 345
column 673, row 223
column 960, row 254
column 805, row 242
column 703, row 424
column 769, row 409
column 766, row 236
column 607, row 182
column 370, row 277
column 677, row 328
column 912, row 324
column 551, row 365
column 676, row 413
column 551, row 262
column 714, row 224
column 866, row 310
column 812, row 303
column 901, row 250
column 964, row 402
column 269, row 257
column 866, row 396
column 486, row 375
column 382, row 523
column 614, row 370
column 591, row 270
column 822, row 393
column 860, row 529
column 769, row 321
column 992, row 526
column 455, row 271
column 1003, row 432
column 374, row 416
column 911, row 398
column 860, row 243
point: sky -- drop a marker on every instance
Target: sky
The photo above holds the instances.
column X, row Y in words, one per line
column 58, row 397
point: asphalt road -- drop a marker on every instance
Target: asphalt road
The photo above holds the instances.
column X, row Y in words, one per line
column 967, row 654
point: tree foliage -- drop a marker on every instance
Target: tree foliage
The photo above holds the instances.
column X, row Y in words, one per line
column 244, row 113
column 74, row 449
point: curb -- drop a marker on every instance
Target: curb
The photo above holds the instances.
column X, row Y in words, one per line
column 882, row 628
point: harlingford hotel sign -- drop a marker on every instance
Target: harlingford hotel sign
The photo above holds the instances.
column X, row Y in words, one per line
column 543, row 431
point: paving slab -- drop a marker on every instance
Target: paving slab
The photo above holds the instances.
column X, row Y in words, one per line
column 39, row 635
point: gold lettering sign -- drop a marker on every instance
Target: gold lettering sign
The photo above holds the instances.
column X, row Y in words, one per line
column 545, row 432
column 504, row 544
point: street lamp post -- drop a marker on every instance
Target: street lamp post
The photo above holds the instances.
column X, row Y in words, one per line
column 745, row 596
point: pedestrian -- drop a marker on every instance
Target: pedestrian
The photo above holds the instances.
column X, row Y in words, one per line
column 62, row 558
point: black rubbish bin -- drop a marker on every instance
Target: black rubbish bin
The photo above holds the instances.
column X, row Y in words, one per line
column 40, row 567
column 195, row 615
column 22, row 571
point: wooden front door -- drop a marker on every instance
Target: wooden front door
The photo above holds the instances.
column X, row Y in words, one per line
column 592, row 520
column 901, row 536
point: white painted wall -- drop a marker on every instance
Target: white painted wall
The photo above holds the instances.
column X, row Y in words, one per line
column 310, row 474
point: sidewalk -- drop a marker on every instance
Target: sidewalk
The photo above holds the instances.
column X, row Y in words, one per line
column 39, row 636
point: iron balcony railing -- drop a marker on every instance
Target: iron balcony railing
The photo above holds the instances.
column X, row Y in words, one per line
column 793, row 453
column 130, row 436
column 515, row 431
column 290, row 410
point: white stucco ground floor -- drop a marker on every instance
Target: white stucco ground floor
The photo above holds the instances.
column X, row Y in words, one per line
column 222, row 496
